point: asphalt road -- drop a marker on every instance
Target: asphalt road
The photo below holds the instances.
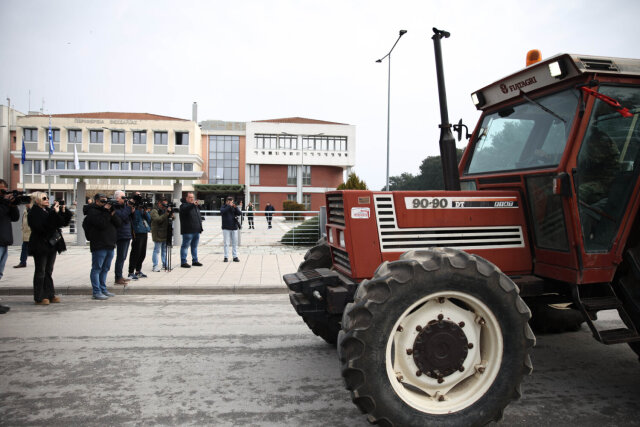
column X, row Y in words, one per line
column 246, row 360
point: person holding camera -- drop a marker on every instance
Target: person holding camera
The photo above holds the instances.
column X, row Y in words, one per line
column 101, row 227
column 141, row 229
column 228, row 213
column 190, row 229
column 124, row 210
column 269, row 209
column 45, row 243
column 8, row 213
column 160, row 217
column 250, row 210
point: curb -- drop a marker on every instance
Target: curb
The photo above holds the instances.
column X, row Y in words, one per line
column 155, row 290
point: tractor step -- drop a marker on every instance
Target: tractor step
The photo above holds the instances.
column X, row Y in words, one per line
column 601, row 303
column 591, row 305
column 618, row 336
column 319, row 290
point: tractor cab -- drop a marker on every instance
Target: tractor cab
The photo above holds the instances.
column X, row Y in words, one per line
column 565, row 133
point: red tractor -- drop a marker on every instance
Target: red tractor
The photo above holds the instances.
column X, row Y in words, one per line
column 429, row 294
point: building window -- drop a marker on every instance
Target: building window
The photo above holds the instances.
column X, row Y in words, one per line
column 93, row 165
column 254, row 174
column 75, row 136
column 125, row 166
column 224, row 159
column 135, row 166
column 139, row 137
column 291, row 197
column 182, row 138
column 306, row 201
column 157, row 166
column 16, row 166
column 270, row 142
column 96, row 136
column 115, row 166
column 30, row 134
column 61, row 164
column 160, row 138
column 104, row 166
column 324, row 143
column 166, row 166
column 146, row 166
column 177, row 166
column 255, row 199
column 288, row 142
column 188, row 167
column 306, row 175
column 32, row 168
column 117, row 137
column 292, row 175
column 55, row 134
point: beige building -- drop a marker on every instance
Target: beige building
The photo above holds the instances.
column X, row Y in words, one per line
column 132, row 151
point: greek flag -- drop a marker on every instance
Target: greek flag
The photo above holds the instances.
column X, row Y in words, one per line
column 24, row 151
column 50, row 137
column 76, row 162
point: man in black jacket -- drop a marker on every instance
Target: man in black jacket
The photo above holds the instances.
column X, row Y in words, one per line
column 190, row 229
column 8, row 213
column 229, row 212
column 102, row 224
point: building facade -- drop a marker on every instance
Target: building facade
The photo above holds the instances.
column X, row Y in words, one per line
column 115, row 151
column 272, row 161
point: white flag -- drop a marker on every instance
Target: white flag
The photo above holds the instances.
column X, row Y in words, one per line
column 76, row 162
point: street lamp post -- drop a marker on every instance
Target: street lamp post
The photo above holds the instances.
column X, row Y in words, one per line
column 388, row 55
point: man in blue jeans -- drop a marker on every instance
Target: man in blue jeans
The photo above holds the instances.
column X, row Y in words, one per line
column 124, row 210
column 190, row 229
column 102, row 232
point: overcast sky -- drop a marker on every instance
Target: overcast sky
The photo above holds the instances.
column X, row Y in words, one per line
column 260, row 59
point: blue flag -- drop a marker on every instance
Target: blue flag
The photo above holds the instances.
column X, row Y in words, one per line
column 50, row 137
column 24, row 151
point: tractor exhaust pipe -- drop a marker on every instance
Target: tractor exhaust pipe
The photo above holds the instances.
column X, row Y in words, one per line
column 447, row 142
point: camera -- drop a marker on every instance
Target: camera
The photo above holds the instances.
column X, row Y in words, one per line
column 60, row 202
column 17, row 197
column 141, row 202
column 170, row 205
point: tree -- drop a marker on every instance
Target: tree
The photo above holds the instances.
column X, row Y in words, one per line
column 430, row 177
column 353, row 183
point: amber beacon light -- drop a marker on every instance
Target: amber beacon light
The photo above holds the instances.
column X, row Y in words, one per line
column 533, row 56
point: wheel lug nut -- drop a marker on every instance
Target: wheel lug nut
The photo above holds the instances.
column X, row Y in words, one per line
column 418, row 328
column 461, row 324
column 441, row 300
column 399, row 378
column 409, row 351
column 440, row 380
column 440, row 317
column 399, row 329
column 418, row 372
column 481, row 370
column 440, row 398
column 461, row 369
column 470, row 345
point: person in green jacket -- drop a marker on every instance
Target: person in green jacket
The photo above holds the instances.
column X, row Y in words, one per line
column 160, row 217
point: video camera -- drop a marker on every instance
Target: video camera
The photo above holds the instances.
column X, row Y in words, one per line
column 17, row 197
column 141, row 202
column 170, row 205
column 61, row 202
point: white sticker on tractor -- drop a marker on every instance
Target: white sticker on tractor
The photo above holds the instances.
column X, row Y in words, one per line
column 361, row 213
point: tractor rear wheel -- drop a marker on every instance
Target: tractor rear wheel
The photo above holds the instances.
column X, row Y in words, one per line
column 325, row 325
column 439, row 337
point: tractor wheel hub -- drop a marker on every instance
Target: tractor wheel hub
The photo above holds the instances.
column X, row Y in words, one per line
column 440, row 348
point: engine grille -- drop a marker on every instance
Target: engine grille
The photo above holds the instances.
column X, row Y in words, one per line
column 336, row 209
column 341, row 258
column 395, row 239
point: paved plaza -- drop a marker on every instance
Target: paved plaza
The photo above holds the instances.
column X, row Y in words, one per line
column 263, row 261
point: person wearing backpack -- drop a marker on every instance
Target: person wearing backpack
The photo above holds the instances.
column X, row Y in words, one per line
column 101, row 228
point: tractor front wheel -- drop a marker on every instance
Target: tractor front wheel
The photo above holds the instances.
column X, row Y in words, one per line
column 439, row 337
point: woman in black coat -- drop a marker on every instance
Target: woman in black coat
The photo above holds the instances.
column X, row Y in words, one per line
column 45, row 242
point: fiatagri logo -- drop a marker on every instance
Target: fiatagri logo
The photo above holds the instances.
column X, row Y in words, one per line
column 517, row 86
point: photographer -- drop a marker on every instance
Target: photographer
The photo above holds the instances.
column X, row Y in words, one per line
column 8, row 213
column 124, row 210
column 45, row 242
column 190, row 229
column 160, row 217
column 141, row 229
column 102, row 231
column 229, row 212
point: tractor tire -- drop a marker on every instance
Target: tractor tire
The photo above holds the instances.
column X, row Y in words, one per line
column 439, row 337
column 549, row 319
column 318, row 256
column 327, row 326
column 627, row 287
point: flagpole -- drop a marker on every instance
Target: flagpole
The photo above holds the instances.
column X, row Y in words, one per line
column 50, row 150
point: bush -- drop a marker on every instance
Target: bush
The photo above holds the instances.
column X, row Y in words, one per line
column 290, row 205
column 307, row 233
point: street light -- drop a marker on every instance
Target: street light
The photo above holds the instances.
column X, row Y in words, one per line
column 402, row 33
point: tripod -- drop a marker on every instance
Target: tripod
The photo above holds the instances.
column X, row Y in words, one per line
column 169, row 245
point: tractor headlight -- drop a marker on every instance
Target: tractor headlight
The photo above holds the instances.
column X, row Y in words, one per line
column 341, row 238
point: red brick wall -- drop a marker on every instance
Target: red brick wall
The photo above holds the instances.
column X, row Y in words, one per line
column 326, row 176
column 274, row 176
